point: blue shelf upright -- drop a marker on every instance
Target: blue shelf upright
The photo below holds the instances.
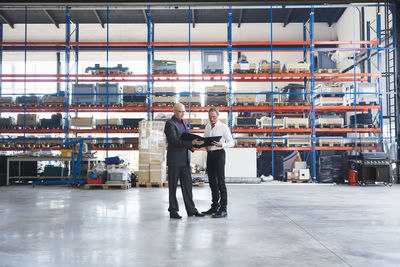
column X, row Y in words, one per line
column 150, row 52
column 67, row 61
column 272, row 95
column 229, row 51
column 312, row 89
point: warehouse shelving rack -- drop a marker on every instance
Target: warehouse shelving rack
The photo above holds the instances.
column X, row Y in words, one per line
column 149, row 47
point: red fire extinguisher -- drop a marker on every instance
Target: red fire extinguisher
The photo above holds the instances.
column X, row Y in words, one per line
column 353, row 177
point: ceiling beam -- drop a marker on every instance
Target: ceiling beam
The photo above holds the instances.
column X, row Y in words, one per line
column 96, row 13
column 193, row 16
column 51, row 18
column 240, row 17
column 288, row 17
column 334, row 17
column 6, row 20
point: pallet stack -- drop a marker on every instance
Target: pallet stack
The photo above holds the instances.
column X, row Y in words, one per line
column 164, row 96
column 152, row 145
column 329, row 95
column 265, row 67
column 216, row 95
column 132, row 100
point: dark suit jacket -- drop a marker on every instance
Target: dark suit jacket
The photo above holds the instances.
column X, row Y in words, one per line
column 177, row 154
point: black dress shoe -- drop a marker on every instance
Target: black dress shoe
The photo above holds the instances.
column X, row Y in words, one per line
column 175, row 216
column 197, row 214
column 220, row 214
column 209, row 212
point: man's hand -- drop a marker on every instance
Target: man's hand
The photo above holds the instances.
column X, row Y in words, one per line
column 208, row 148
column 218, row 144
column 196, row 142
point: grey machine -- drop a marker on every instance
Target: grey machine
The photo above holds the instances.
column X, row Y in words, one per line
column 83, row 94
column 212, row 62
column 114, row 94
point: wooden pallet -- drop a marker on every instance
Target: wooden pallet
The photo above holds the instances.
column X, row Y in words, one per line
column 191, row 104
column 246, row 126
column 200, row 184
column 328, row 71
column 163, row 104
column 330, row 144
column 330, row 125
column 364, row 126
column 107, row 186
column 151, row 185
column 134, row 104
column 298, row 181
column 244, row 104
column 110, row 127
column 298, row 70
column 296, row 126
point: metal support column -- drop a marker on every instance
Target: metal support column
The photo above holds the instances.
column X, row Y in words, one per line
column 149, row 53
column 369, row 50
column 67, row 61
column 76, row 52
column 58, row 55
column 272, row 98
column 396, row 86
column 25, row 59
column 230, row 102
column 378, row 31
column 312, row 89
column 107, row 59
column 355, row 86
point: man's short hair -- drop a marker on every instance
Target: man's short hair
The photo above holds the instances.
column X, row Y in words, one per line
column 213, row 110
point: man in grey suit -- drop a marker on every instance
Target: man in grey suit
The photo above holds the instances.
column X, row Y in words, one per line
column 178, row 163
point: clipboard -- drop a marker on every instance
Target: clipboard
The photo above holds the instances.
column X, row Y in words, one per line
column 207, row 140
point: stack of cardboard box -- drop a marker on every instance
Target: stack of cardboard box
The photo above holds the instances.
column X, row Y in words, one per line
column 152, row 164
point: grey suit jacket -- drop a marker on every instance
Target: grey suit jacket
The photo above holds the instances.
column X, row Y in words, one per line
column 177, row 154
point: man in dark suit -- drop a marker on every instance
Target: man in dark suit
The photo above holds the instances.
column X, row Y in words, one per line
column 178, row 163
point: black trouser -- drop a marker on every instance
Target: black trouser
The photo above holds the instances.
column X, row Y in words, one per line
column 216, row 178
column 183, row 173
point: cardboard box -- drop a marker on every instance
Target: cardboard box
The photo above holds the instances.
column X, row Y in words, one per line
column 292, row 176
column 158, row 173
column 30, row 120
column 164, row 99
column 144, row 157
column 266, row 68
column 298, row 139
column 217, row 89
column 157, row 158
column 164, row 89
column 304, row 174
column 296, row 122
column 144, row 173
column 55, row 100
column 110, row 121
column 129, row 89
column 87, row 121
column 246, row 99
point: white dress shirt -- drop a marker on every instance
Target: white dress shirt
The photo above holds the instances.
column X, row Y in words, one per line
column 220, row 129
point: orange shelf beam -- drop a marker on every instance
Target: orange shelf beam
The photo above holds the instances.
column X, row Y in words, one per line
column 286, row 130
column 347, row 130
column 346, row 148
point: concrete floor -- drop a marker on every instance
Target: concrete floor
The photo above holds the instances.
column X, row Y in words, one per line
column 267, row 225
